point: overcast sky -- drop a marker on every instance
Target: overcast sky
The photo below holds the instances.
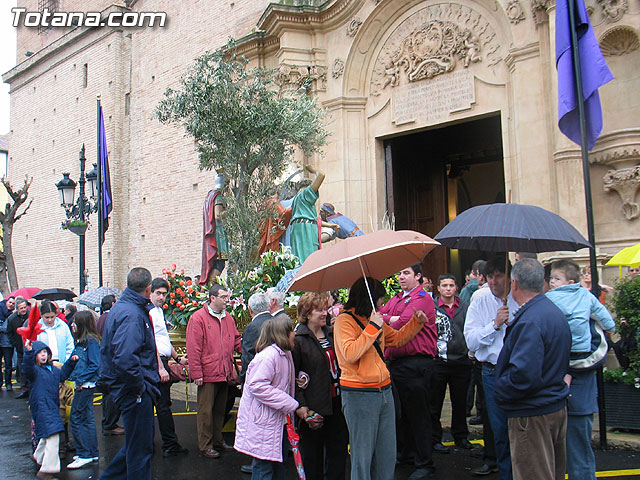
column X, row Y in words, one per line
column 7, row 58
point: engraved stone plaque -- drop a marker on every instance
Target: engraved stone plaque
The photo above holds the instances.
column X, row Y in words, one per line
column 432, row 101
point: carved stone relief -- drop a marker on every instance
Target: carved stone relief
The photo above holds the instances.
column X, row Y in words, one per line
column 292, row 77
column 353, row 27
column 539, row 10
column 625, row 181
column 338, row 68
column 613, row 10
column 434, row 41
column 515, row 12
column 619, row 41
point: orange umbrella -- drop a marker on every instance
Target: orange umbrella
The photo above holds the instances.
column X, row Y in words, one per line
column 376, row 255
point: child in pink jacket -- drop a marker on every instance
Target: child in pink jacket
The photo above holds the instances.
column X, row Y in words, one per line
column 267, row 398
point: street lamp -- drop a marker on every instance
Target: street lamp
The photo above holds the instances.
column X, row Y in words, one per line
column 78, row 212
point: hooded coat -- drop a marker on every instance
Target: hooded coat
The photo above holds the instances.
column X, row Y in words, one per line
column 43, row 397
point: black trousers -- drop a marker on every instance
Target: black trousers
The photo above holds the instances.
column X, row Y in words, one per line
column 7, row 355
column 110, row 413
column 457, row 376
column 411, row 382
column 331, row 441
column 474, row 394
column 163, row 412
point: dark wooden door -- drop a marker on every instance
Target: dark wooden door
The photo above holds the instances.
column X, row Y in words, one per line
column 419, row 199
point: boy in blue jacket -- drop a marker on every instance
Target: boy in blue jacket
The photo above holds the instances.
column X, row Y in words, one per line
column 44, row 402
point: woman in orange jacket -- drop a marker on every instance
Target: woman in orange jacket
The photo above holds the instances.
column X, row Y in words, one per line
column 367, row 401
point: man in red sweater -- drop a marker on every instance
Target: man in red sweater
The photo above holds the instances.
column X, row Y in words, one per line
column 212, row 337
column 411, row 367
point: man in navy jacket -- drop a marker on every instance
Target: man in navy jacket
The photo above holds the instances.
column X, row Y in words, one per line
column 530, row 385
column 130, row 370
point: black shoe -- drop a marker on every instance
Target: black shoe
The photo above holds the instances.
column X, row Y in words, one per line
column 23, row 394
column 247, row 469
column 478, row 453
column 440, row 448
column 404, row 461
column 173, row 451
column 9, row 388
column 421, row 473
column 484, row 469
column 475, row 420
column 464, row 443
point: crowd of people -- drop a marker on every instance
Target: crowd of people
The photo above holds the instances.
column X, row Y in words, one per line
column 365, row 380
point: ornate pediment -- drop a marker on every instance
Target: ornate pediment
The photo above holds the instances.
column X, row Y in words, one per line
column 434, row 41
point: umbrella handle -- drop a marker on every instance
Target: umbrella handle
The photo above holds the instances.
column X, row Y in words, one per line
column 366, row 284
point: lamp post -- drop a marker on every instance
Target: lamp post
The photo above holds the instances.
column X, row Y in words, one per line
column 78, row 212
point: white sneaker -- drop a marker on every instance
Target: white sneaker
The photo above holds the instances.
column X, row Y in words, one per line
column 79, row 463
column 93, row 459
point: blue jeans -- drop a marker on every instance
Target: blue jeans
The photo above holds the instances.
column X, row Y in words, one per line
column 268, row 470
column 83, row 424
column 581, row 463
column 499, row 424
column 134, row 458
column 371, row 420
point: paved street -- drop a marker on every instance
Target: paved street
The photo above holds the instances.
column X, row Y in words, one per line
column 15, row 449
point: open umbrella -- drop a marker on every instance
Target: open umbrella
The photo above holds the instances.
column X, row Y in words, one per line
column 510, row 227
column 627, row 257
column 377, row 255
column 55, row 294
column 25, row 292
column 93, row 298
column 287, row 279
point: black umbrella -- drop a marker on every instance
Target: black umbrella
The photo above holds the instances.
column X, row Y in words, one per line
column 509, row 227
column 55, row 294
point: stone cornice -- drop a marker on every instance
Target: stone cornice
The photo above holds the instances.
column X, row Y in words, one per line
column 518, row 54
column 620, row 146
column 278, row 17
column 256, row 44
column 340, row 102
column 59, row 44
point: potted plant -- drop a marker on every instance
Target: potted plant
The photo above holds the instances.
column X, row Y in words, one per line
column 79, row 227
column 622, row 389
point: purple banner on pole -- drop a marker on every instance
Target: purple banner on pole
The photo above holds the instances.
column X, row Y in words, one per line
column 594, row 69
column 107, row 199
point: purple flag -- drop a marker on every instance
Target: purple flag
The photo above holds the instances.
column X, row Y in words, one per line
column 595, row 73
column 107, row 202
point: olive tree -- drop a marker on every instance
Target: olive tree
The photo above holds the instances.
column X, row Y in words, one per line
column 245, row 127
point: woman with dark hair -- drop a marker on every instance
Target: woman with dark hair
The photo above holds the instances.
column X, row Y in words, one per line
column 267, row 398
column 367, row 401
column 323, row 428
column 85, row 375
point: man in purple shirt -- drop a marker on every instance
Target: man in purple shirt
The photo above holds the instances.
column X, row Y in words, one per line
column 411, row 368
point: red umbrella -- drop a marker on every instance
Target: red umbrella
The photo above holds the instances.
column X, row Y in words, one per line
column 26, row 292
column 294, row 440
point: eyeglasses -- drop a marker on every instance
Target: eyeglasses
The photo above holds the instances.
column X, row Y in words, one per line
column 224, row 297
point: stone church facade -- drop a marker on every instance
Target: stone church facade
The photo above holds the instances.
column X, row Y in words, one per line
column 385, row 70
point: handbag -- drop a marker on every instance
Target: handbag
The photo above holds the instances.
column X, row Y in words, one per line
column 178, row 372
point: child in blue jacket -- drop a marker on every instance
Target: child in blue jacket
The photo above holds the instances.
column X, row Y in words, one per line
column 85, row 376
column 579, row 304
column 44, row 402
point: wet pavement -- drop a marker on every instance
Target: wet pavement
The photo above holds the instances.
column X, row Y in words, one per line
column 15, row 450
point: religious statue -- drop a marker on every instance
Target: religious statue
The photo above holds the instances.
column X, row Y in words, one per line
column 214, row 241
column 347, row 227
column 306, row 225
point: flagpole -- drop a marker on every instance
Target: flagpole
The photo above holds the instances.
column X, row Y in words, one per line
column 100, row 199
column 595, row 287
